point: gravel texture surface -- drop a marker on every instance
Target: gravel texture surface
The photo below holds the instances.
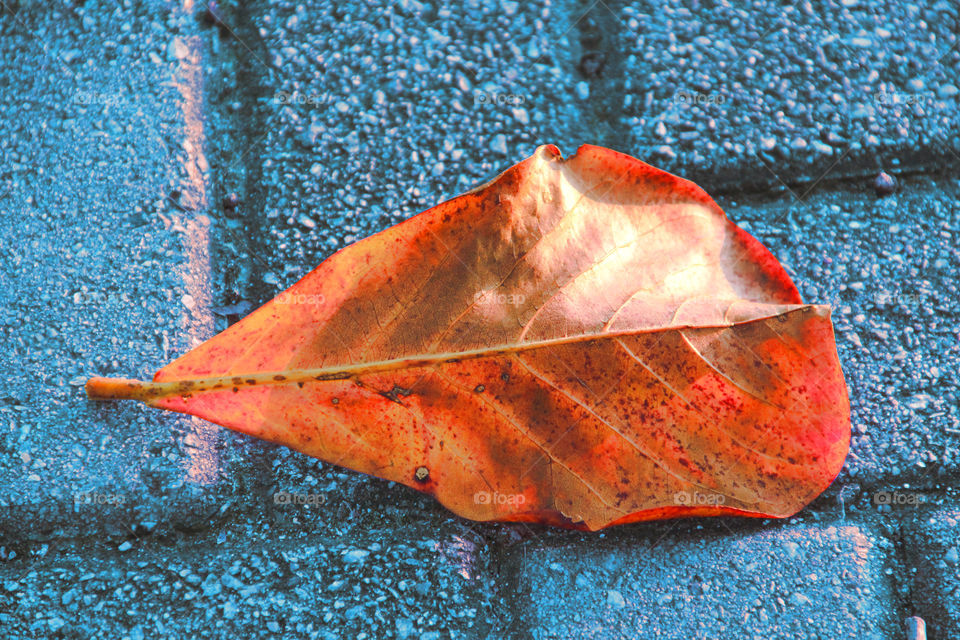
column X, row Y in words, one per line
column 104, row 270
column 761, row 93
column 687, row 581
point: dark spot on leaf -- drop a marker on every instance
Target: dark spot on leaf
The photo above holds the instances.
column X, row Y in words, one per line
column 422, row 474
column 479, row 388
column 394, row 394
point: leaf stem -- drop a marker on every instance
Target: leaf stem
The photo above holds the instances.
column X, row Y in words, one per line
column 115, row 389
column 153, row 391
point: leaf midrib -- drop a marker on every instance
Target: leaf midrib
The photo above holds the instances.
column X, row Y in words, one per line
column 154, row 391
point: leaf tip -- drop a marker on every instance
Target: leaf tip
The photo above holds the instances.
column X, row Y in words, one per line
column 549, row 152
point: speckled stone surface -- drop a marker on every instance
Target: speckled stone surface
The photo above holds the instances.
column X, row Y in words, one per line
column 689, row 581
column 105, row 267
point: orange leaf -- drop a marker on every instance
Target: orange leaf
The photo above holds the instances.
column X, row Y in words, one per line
column 582, row 342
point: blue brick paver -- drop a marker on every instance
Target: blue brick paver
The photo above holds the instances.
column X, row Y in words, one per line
column 106, row 265
column 808, row 580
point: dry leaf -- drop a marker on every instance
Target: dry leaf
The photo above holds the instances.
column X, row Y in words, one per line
column 582, row 342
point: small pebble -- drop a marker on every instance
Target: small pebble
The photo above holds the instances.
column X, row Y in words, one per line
column 310, row 134
column 178, row 48
column 854, row 338
column 884, row 184
column 404, row 628
column 821, row 148
column 211, row 586
column 666, row 151
column 952, row 557
column 947, row 91
column 231, row 200
column 355, row 555
column 615, row 599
